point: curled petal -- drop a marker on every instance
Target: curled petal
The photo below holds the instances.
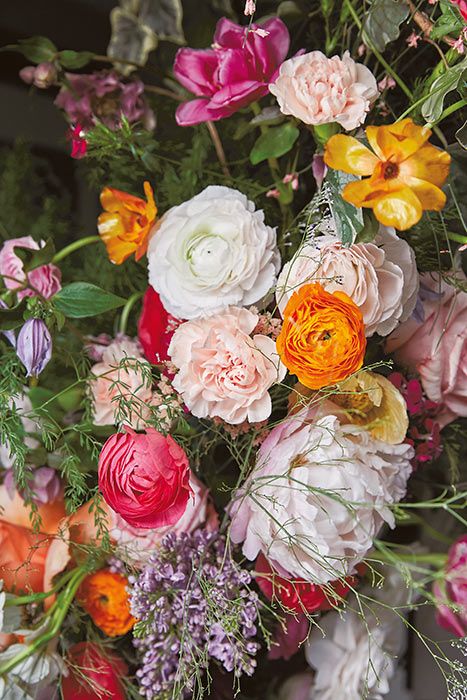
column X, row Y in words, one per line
column 429, row 163
column 347, row 154
column 400, row 209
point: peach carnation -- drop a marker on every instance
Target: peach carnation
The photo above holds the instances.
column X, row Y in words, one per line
column 320, row 90
column 225, row 372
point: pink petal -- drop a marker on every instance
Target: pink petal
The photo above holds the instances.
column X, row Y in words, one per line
column 228, row 34
column 195, row 112
column 194, row 69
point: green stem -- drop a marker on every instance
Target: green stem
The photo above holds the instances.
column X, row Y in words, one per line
column 36, row 597
column 76, row 245
column 437, row 560
column 126, row 311
column 451, row 109
column 457, row 238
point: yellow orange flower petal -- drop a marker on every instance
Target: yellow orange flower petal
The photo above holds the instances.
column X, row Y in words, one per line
column 126, row 222
column 398, row 141
column 431, row 197
column 401, row 209
column 104, row 597
column 347, row 154
column 429, row 163
column 360, row 193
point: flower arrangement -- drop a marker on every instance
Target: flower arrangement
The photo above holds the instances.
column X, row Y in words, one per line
column 232, row 420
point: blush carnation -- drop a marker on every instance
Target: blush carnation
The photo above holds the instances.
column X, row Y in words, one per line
column 44, row 280
column 224, row 371
column 380, row 277
column 145, row 477
column 319, row 90
column 295, row 506
column 212, row 252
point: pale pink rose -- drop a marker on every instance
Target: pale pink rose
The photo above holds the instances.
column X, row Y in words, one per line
column 437, row 347
column 44, row 280
column 380, row 277
column 137, row 544
column 111, row 384
column 320, row 90
column 224, row 372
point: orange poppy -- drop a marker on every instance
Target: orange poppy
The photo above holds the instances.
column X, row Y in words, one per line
column 405, row 172
column 322, row 340
column 104, row 596
column 125, row 224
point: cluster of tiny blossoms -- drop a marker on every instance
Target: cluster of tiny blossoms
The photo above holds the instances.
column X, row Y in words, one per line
column 169, row 403
column 267, row 324
column 193, row 604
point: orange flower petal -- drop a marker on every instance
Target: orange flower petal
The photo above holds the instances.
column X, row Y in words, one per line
column 359, row 193
column 428, row 163
column 347, row 154
column 401, row 209
column 398, row 141
column 431, row 197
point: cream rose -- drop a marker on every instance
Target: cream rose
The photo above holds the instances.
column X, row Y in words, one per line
column 225, row 372
column 212, row 252
column 380, row 277
column 320, row 90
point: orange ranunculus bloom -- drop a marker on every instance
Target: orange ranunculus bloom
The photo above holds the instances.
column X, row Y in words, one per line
column 322, row 339
column 406, row 172
column 104, row 597
column 125, row 224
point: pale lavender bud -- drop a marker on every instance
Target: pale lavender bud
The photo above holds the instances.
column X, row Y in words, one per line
column 45, row 75
column 27, row 74
column 34, row 346
column 44, row 486
column 319, row 169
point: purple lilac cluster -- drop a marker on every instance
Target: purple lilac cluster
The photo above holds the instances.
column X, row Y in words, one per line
column 193, row 604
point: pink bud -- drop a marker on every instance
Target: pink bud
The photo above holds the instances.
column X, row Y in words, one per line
column 27, row 74
column 45, row 75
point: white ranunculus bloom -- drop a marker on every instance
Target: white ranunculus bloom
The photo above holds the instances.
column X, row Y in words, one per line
column 380, row 277
column 318, row 496
column 212, row 252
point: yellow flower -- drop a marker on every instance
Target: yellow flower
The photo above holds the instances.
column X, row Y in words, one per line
column 405, row 172
column 125, row 224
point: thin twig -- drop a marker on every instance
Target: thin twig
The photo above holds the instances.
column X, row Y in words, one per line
column 219, row 148
column 425, row 24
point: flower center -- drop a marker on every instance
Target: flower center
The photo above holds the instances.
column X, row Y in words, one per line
column 390, row 170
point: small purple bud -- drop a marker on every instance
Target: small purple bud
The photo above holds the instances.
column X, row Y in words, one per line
column 45, row 75
column 34, row 346
column 27, row 74
column 45, row 485
column 319, row 169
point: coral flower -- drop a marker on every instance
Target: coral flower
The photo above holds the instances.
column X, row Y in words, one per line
column 406, row 172
column 322, row 339
column 125, row 224
column 104, row 597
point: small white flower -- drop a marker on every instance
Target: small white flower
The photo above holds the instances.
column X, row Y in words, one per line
column 212, row 252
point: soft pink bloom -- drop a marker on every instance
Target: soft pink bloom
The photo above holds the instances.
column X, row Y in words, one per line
column 437, row 347
column 412, row 40
column 250, row 8
column 104, row 96
column 462, row 6
column 320, row 90
column 232, row 74
column 287, row 642
column 138, row 544
column 44, row 280
column 45, row 75
column 223, row 371
column 117, row 378
column 27, row 74
column 452, row 593
column 145, row 477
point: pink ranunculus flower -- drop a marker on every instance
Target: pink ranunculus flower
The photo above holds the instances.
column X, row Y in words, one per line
column 224, row 371
column 451, row 595
column 145, row 478
column 137, row 544
column 319, row 90
column 437, row 347
column 44, row 280
column 235, row 72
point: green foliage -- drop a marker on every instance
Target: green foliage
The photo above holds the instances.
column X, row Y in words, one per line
column 36, row 49
column 82, row 300
column 274, row 142
column 382, row 21
column 449, row 21
column 453, row 79
column 348, row 219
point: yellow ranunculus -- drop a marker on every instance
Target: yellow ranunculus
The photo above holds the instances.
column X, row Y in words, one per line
column 405, row 172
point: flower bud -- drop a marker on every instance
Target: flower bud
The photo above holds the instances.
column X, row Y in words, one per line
column 45, row 75
column 34, row 346
column 27, row 74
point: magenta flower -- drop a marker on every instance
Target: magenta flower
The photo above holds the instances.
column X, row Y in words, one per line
column 34, row 346
column 234, row 73
column 79, row 145
column 462, row 6
column 103, row 96
column 451, row 595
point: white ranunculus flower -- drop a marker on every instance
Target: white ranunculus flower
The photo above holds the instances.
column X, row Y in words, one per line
column 355, row 658
column 380, row 277
column 318, row 496
column 212, row 252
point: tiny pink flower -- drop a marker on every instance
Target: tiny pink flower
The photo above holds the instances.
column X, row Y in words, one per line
column 274, row 193
column 412, row 40
column 291, row 178
column 387, row 83
column 250, row 8
column 361, row 51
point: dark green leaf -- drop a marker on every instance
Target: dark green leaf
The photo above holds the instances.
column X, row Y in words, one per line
column 36, row 49
column 13, row 317
column 369, row 230
column 382, row 21
column 74, row 59
column 348, row 219
column 164, row 17
column 35, row 258
column 274, row 143
column 447, row 82
column 449, row 22
column 81, row 300
column 129, row 40
column 461, row 135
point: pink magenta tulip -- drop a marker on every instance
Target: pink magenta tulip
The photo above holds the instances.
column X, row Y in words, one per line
column 234, row 73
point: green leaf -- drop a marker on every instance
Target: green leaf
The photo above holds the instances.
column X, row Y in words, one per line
column 447, row 82
column 348, row 219
column 369, row 230
column 82, row 300
column 274, row 143
column 449, row 22
column 74, row 59
column 13, row 317
column 382, row 21
column 35, row 258
column 461, row 135
column 36, row 49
